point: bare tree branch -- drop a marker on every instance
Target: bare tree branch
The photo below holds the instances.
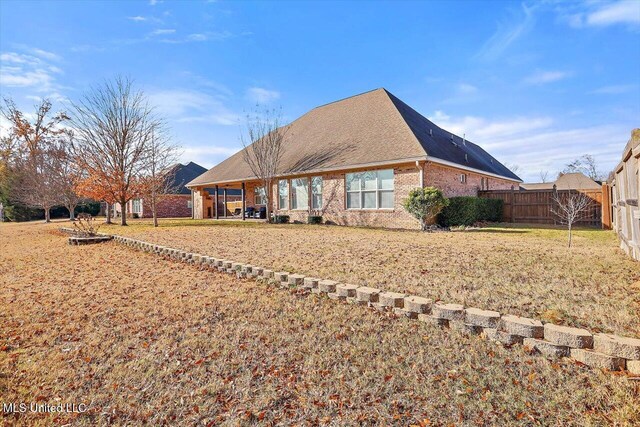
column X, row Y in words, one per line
column 114, row 127
column 263, row 148
column 570, row 207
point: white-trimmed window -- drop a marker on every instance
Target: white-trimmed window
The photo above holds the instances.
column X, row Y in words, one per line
column 316, row 192
column 189, row 204
column 260, row 196
column 136, row 206
column 463, row 178
column 370, row 190
column 283, row 194
column 300, row 193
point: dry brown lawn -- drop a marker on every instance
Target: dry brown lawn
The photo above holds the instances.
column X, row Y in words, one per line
column 143, row 340
column 517, row 270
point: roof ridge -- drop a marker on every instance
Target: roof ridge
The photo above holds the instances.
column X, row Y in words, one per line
column 404, row 121
column 347, row 97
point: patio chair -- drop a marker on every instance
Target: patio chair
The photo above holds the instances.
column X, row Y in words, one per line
column 261, row 213
column 249, row 212
column 237, row 212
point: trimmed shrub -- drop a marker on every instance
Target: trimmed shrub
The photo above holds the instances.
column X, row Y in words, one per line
column 281, row 219
column 314, row 219
column 425, row 204
column 469, row 210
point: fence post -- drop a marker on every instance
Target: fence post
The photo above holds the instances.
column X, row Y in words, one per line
column 513, row 202
column 606, row 207
column 554, row 196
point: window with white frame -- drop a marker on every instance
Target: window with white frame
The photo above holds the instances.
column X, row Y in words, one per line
column 370, row 190
column 283, row 194
column 463, row 178
column 189, row 204
column 136, row 206
column 316, row 192
column 300, row 193
column 260, row 196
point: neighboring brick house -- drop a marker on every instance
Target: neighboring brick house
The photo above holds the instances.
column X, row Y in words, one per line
column 177, row 204
column 354, row 162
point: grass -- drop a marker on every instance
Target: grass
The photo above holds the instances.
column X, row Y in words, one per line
column 526, row 271
column 148, row 341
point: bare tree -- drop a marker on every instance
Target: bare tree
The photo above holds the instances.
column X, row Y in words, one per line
column 113, row 126
column 263, row 148
column 34, row 155
column 585, row 164
column 513, row 167
column 570, row 207
column 158, row 179
column 67, row 175
column 544, row 176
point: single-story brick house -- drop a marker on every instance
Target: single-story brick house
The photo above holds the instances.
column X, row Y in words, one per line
column 354, row 161
column 177, row 204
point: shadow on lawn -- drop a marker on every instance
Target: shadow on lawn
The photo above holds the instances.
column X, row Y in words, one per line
column 489, row 230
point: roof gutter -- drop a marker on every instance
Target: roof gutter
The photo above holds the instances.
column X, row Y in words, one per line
column 360, row 166
column 316, row 171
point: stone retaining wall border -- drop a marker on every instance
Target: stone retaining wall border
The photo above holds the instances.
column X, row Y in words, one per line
column 604, row 351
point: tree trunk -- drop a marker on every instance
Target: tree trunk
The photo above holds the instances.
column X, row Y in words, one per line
column 123, row 210
column 47, row 215
column 153, row 210
column 72, row 212
column 267, row 195
column 108, row 213
column 569, row 234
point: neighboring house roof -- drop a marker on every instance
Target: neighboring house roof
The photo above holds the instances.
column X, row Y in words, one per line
column 567, row 181
column 180, row 175
column 373, row 128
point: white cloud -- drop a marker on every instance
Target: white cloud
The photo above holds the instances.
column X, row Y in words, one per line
column 508, row 32
column 29, row 71
column 466, row 89
column 197, row 37
column 163, row 31
column 602, row 14
column 615, row 89
column 45, row 54
column 262, row 96
column 622, row 12
column 537, row 143
column 542, row 77
column 137, row 18
column 189, row 106
column 154, row 2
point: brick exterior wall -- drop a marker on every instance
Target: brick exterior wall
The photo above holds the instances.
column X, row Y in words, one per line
column 447, row 179
column 169, row 206
column 406, row 177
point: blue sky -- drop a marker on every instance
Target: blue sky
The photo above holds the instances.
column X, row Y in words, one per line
column 536, row 84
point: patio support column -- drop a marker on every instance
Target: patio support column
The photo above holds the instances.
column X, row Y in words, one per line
column 224, row 200
column 216, row 203
column 244, row 202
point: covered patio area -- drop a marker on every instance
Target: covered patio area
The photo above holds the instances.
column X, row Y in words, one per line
column 234, row 200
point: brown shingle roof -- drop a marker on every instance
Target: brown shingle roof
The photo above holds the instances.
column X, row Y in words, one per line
column 568, row 181
column 371, row 128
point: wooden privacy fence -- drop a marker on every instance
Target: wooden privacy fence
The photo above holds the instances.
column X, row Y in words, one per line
column 536, row 206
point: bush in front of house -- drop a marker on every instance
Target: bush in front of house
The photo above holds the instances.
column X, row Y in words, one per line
column 425, row 204
column 314, row 219
column 469, row 210
column 281, row 219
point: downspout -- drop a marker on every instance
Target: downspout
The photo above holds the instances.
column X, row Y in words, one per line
column 421, row 169
column 193, row 216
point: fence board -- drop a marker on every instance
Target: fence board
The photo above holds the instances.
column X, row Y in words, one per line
column 536, row 206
